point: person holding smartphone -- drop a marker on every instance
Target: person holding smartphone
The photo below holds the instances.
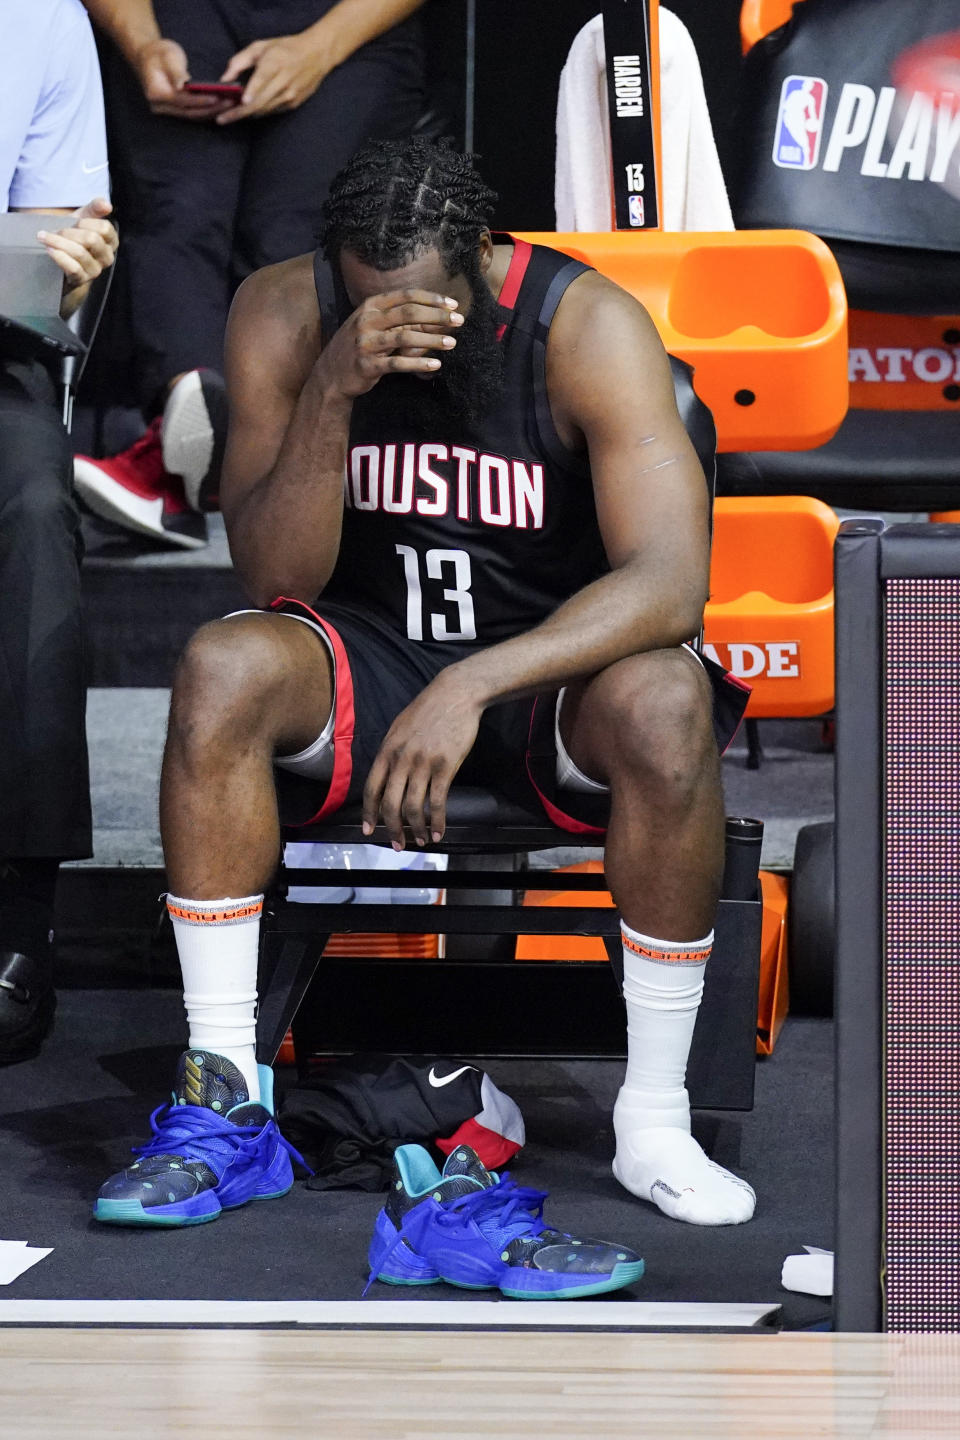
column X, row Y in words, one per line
column 53, row 161
column 228, row 119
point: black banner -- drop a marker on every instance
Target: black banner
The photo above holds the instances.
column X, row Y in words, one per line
column 626, row 33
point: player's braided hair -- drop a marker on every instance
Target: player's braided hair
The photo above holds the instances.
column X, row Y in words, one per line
column 398, row 197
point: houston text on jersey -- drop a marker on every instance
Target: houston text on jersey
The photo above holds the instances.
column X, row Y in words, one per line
column 439, row 480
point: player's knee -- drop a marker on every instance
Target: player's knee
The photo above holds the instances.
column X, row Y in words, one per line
column 229, row 675
column 662, row 715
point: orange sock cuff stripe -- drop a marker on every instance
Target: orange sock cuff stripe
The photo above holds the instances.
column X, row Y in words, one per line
column 698, row 956
column 232, row 915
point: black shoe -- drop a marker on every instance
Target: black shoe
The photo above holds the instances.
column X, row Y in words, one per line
column 27, row 1003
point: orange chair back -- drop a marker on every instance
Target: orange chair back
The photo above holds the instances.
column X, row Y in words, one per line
column 770, row 614
column 759, row 314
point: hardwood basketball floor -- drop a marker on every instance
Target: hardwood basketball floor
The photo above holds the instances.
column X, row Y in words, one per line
column 409, row 1385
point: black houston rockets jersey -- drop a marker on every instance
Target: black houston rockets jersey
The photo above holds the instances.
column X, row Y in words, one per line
column 468, row 537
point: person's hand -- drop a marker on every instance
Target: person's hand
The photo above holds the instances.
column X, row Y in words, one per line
column 286, row 71
column 162, row 70
column 389, row 334
column 86, row 246
column 421, row 753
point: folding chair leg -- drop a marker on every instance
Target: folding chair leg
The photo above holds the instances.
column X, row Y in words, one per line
column 614, row 948
column 291, row 976
column 754, row 748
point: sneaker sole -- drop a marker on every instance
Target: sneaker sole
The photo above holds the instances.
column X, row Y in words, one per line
column 623, row 1274
column 132, row 1212
column 112, row 501
column 194, row 422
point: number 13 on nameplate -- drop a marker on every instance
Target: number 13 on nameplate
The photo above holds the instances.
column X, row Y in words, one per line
column 442, row 565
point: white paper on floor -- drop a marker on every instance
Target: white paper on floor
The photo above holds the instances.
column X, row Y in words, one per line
column 809, row 1274
column 16, row 1256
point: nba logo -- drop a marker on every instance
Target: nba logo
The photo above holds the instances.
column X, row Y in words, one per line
column 796, row 143
column 635, row 209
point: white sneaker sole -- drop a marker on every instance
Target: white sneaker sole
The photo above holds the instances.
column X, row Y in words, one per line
column 109, row 499
column 187, row 436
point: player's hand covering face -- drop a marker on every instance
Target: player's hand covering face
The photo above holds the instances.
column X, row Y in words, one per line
column 405, row 334
column 399, row 332
column 464, row 388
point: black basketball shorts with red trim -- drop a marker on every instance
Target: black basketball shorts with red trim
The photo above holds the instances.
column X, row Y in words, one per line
column 379, row 673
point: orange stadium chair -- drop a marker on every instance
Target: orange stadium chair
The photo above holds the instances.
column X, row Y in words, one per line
column 759, row 315
column 751, row 311
column 770, row 614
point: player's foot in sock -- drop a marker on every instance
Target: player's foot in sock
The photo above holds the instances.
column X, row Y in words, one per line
column 664, row 1164
column 212, row 1150
column 478, row 1231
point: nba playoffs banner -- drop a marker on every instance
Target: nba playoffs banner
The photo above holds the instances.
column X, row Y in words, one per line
column 830, row 143
column 627, row 41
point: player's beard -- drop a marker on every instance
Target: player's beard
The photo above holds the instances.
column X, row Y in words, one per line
column 464, row 389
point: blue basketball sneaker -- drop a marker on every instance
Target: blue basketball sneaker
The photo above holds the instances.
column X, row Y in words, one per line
column 482, row 1232
column 212, row 1150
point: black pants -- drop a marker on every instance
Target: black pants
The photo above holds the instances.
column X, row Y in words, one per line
column 44, row 784
column 202, row 205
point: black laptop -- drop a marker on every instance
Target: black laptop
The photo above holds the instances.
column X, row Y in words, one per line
column 31, row 289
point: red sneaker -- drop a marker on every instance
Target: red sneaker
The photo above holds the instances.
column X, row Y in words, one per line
column 134, row 489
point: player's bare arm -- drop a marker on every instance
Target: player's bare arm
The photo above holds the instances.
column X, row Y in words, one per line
column 291, row 395
column 612, row 392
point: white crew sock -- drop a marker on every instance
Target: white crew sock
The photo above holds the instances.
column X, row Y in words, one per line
column 218, row 943
column 657, row 1158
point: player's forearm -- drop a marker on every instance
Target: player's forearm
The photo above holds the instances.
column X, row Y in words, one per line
column 629, row 611
column 131, row 24
column 353, row 23
column 285, row 531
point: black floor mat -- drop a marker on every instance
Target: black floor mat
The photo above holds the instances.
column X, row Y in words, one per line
column 70, row 1116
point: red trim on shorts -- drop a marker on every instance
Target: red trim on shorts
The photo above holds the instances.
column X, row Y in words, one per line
column 510, row 289
column 730, row 679
column 558, row 817
column 344, row 718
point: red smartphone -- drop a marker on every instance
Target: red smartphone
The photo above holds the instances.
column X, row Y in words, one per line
column 229, row 91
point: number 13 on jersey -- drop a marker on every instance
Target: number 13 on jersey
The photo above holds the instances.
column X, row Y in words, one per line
column 445, row 566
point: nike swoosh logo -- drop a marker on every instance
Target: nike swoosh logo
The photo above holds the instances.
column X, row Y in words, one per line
column 92, row 169
column 436, row 1083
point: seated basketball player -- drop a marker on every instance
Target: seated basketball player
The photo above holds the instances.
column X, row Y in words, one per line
column 458, row 486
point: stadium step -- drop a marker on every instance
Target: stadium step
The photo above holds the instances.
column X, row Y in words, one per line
column 142, row 603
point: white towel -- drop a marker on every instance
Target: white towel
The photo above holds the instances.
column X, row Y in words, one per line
column 809, row 1274
column 693, row 194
